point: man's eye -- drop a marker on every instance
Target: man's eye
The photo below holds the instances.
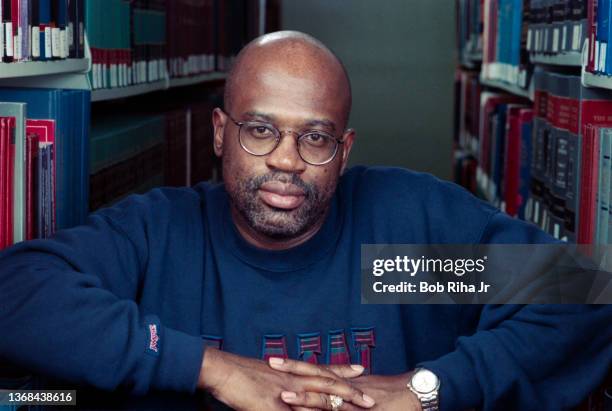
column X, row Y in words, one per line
column 316, row 139
column 260, row 131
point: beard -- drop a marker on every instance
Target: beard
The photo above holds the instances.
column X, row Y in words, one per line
column 279, row 223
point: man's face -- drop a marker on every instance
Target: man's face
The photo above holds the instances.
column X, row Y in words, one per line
column 279, row 195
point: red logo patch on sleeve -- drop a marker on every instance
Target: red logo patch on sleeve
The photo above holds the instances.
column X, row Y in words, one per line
column 153, row 339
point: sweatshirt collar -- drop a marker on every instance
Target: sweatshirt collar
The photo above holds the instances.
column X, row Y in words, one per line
column 292, row 259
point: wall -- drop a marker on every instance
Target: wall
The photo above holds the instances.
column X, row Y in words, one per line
column 400, row 57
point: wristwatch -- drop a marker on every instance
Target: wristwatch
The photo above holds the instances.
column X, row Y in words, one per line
column 425, row 385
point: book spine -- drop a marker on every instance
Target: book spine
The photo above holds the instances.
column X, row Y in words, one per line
column 601, row 41
column 72, row 29
column 45, row 29
column 511, row 162
column 3, row 183
column 526, row 150
column 603, row 192
column 11, row 187
column 7, row 25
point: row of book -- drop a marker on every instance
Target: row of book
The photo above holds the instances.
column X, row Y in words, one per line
column 44, row 150
column 126, row 156
column 507, row 33
column 504, row 53
column 41, row 30
column 546, row 162
column 134, row 152
column 556, row 26
column 52, row 174
column 599, row 60
column 143, row 41
column 469, row 28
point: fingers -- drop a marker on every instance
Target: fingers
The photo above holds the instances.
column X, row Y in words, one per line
column 323, row 380
column 341, row 388
column 346, row 371
column 314, row 370
column 308, row 401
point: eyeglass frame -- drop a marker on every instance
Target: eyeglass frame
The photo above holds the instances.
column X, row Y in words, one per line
column 279, row 137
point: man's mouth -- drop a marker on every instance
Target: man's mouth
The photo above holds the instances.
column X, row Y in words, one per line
column 281, row 195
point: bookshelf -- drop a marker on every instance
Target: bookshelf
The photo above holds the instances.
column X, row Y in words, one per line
column 106, row 94
column 141, row 78
column 43, row 68
column 589, row 79
column 510, row 88
column 139, row 89
column 565, row 59
column 202, row 78
column 538, row 135
column 596, row 80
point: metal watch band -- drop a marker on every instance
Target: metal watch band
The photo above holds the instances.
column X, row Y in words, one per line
column 429, row 404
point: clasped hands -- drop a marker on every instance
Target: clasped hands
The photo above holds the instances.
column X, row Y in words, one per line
column 282, row 384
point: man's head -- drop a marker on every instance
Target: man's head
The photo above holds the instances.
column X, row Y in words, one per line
column 293, row 83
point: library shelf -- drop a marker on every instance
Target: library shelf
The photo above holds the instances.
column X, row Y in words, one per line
column 106, row 94
column 510, row 88
column 596, row 80
column 201, row 78
column 573, row 59
column 43, row 68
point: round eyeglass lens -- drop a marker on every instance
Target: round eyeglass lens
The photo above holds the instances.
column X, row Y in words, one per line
column 259, row 139
column 317, row 148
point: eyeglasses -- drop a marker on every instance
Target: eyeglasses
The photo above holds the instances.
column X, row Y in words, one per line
column 259, row 139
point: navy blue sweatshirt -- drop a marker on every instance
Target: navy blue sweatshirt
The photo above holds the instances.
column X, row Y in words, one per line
column 132, row 298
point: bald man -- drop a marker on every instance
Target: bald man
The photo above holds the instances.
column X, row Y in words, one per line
column 250, row 290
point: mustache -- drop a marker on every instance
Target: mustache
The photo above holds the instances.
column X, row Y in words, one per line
column 255, row 183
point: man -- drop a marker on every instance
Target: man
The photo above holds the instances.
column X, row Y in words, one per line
column 187, row 289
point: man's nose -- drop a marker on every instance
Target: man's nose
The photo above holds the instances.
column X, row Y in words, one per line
column 285, row 156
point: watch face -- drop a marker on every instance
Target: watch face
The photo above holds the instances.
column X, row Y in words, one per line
column 424, row 381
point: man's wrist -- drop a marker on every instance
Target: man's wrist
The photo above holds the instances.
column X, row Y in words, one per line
column 211, row 369
column 412, row 402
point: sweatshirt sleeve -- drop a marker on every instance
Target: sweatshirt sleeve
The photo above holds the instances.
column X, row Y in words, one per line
column 68, row 310
column 526, row 357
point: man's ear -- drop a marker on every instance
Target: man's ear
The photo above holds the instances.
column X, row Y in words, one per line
column 348, row 137
column 219, row 119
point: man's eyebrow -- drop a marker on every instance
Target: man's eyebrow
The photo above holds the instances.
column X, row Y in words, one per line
column 321, row 122
column 258, row 115
column 255, row 115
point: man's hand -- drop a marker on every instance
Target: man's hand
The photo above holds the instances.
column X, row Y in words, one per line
column 390, row 393
column 249, row 384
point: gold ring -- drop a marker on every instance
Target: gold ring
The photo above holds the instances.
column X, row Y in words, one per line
column 335, row 401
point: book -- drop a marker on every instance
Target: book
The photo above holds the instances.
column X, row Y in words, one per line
column 507, row 41
column 15, row 126
column 490, row 148
column 592, row 6
column 603, row 191
column 525, row 120
column 65, row 107
column 43, row 190
column 601, row 35
column 5, row 209
column 31, row 183
column 595, row 109
column 7, row 25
